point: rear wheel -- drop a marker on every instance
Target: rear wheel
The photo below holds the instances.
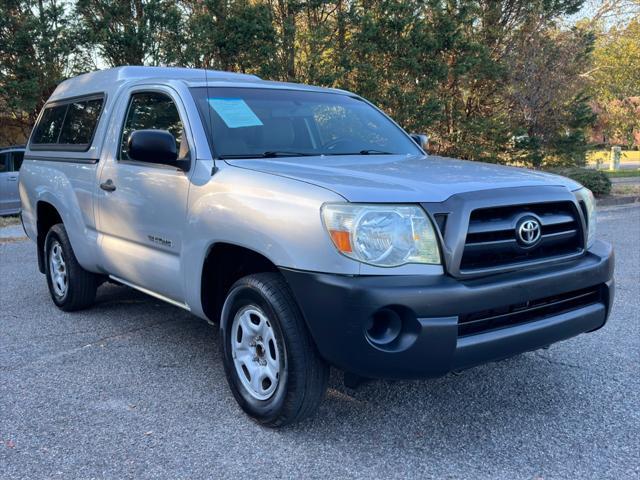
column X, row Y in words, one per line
column 271, row 362
column 71, row 286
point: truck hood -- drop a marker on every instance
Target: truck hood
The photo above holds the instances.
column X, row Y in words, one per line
column 401, row 178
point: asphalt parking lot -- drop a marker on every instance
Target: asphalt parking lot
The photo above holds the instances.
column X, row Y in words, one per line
column 134, row 388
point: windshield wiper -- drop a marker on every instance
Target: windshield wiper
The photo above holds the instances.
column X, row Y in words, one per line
column 363, row 152
column 268, row 154
column 284, row 153
column 374, row 152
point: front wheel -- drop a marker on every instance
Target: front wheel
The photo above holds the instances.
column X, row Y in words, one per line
column 272, row 365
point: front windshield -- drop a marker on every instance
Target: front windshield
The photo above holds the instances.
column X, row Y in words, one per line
column 263, row 123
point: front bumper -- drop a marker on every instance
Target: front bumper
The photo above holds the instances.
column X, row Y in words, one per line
column 340, row 309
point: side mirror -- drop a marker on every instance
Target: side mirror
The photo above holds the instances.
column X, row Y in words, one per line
column 421, row 139
column 154, row 146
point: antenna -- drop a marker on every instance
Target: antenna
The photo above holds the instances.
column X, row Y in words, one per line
column 208, row 107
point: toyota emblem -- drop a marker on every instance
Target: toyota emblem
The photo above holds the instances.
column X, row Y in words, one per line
column 529, row 231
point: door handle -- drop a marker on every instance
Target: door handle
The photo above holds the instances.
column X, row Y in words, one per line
column 12, row 179
column 108, row 186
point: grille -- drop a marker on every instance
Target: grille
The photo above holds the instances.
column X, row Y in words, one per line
column 491, row 238
column 507, row 316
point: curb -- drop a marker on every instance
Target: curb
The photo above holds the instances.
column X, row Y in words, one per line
column 12, row 239
column 617, row 200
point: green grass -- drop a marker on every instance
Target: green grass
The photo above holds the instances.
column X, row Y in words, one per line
column 622, row 173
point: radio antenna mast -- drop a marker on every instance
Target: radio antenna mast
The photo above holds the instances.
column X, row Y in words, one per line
column 208, row 107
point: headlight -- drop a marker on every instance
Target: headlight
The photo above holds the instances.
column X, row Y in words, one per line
column 585, row 196
column 382, row 235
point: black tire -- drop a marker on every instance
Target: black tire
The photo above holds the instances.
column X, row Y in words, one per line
column 303, row 374
column 81, row 286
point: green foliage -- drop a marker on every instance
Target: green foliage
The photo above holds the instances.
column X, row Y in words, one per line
column 495, row 81
column 131, row 32
column 595, row 180
column 622, row 173
column 547, row 93
column 617, row 63
column 236, row 36
column 38, row 49
column 616, row 83
column 569, row 146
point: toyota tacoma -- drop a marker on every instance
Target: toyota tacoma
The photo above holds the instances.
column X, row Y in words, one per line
column 308, row 226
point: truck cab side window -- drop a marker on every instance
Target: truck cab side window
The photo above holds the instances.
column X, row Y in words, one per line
column 4, row 162
column 48, row 129
column 153, row 110
column 81, row 121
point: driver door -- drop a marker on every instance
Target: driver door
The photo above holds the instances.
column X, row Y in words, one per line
column 142, row 206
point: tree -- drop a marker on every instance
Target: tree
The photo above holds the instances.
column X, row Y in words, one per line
column 235, row 36
column 394, row 60
column 547, row 93
column 286, row 16
column 492, row 80
column 38, row 49
column 616, row 82
column 605, row 13
column 131, row 32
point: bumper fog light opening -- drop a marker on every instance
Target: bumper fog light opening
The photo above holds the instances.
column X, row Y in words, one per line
column 385, row 326
column 393, row 328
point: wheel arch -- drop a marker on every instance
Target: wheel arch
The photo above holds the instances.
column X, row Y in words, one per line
column 224, row 264
column 47, row 216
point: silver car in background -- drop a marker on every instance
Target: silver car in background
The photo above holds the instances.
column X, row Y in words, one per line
column 10, row 163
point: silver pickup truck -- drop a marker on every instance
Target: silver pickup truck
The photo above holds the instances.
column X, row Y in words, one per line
column 307, row 225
